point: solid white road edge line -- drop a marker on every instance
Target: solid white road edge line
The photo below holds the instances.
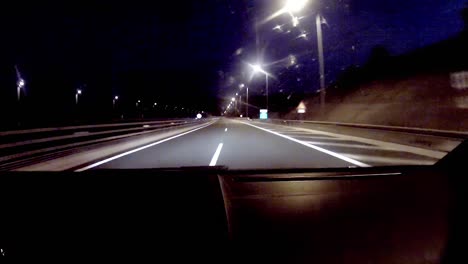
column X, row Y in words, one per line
column 331, row 153
column 383, row 144
column 138, row 149
column 216, row 155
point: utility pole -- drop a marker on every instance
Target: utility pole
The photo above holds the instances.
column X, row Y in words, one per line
column 318, row 22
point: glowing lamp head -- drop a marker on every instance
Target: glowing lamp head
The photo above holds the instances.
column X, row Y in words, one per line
column 256, row 68
column 293, row 6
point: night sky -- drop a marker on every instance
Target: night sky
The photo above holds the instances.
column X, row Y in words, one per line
column 193, row 53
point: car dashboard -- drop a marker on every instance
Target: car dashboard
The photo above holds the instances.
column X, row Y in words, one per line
column 407, row 214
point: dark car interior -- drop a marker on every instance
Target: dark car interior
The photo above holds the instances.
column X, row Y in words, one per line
column 408, row 214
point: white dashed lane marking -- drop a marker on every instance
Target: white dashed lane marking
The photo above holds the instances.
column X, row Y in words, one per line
column 216, row 155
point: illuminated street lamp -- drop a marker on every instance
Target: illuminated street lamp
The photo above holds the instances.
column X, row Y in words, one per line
column 256, row 69
column 77, row 94
column 241, row 86
column 294, row 6
column 20, row 84
column 115, row 100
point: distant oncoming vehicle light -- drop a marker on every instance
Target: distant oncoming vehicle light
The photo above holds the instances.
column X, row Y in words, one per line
column 199, row 116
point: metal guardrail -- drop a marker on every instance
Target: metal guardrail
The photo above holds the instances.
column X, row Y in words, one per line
column 82, row 127
column 16, row 148
column 413, row 130
column 78, row 132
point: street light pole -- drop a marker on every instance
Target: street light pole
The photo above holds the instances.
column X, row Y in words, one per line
column 266, row 84
column 247, row 105
column 114, row 101
column 19, row 83
column 77, row 94
column 318, row 22
column 237, row 107
column 240, row 103
column 18, row 91
column 293, row 6
column 258, row 68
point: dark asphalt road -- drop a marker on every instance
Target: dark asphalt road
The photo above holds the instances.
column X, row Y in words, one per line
column 254, row 145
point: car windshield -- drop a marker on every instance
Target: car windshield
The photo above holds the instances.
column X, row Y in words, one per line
column 245, row 84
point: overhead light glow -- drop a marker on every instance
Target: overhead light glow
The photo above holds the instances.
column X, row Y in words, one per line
column 293, row 6
column 257, row 68
column 295, row 21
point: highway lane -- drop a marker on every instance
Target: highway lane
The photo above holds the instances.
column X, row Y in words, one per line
column 241, row 144
column 243, row 147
